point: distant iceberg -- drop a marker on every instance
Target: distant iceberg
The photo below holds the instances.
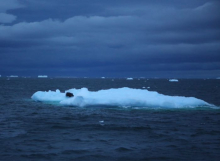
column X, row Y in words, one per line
column 129, row 78
column 42, row 76
column 121, row 97
column 173, row 80
column 13, row 76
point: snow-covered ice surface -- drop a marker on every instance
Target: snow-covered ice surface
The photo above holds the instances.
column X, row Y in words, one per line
column 122, row 97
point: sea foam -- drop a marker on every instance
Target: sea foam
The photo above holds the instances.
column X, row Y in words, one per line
column 122, row 97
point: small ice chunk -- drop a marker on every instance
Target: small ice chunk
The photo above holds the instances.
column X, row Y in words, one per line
column 129, row 78
column 101, row 122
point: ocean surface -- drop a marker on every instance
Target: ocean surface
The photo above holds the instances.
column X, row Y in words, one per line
column 31, row 130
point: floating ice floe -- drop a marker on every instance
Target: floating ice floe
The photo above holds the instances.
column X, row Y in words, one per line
column 129, row 78
column 173, row 80
column 122, row 97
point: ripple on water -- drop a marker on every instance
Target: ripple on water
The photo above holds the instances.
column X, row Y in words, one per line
column 123, row 149
column 75, row 151
column 11, row 133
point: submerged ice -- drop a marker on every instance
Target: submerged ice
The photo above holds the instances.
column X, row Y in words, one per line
column 123, row 97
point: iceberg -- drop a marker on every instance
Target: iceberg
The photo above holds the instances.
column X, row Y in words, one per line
column 120, row 97
column 173, row 80
column 13, row 76
column 42, row 76
column 129, row 78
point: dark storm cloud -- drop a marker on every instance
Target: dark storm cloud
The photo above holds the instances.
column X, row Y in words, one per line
column 7, row 5
column 110, row 36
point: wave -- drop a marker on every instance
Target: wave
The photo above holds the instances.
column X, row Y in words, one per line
column 122, row 97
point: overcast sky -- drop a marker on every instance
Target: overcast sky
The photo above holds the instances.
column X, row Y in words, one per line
column 111, row 38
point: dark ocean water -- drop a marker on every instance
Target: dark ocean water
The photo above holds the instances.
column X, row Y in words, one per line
column 32, row 130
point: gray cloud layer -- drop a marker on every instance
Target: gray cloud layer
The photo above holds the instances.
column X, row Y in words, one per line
column 112, row 38
column 4, row 7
